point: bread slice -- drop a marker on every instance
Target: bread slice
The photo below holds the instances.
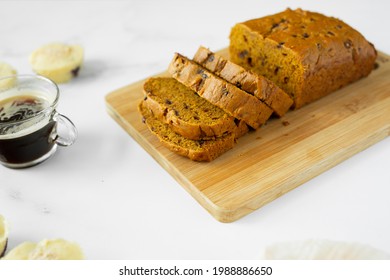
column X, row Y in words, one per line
column 197, row 150
column 228, row 97
column 186, row 112
column 259, row 86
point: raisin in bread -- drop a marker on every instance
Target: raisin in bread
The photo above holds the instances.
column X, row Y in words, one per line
column 219, row 92
column 258, row 85
column 307, row 54
column 186, row 112
column 197, row 150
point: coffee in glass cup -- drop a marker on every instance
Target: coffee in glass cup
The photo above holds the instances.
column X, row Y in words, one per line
column 29, row 121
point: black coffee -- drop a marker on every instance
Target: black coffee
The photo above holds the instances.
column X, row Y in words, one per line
column 31, row 145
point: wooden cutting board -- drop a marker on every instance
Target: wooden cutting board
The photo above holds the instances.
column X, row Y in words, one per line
column 280, row 156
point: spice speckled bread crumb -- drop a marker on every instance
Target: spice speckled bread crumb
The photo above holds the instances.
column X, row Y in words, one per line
column 268, row 92
column 186, row 112
column 219, row 92
column 197, row 150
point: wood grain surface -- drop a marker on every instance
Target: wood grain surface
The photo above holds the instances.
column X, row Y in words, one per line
column 278, row 157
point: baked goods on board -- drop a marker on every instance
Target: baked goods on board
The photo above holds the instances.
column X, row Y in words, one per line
column 287, row 59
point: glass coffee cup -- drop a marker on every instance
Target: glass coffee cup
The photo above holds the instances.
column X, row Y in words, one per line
column 30, row 127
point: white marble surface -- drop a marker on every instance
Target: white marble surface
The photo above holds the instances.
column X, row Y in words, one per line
column 110, row 196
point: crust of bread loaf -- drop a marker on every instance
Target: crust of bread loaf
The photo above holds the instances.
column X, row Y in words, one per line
column 307, row 54
column 219, row 92
column 278, row 100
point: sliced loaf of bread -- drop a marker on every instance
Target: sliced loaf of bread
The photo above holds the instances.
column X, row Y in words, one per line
column 219, row 92
column 197, row 150
column 259, row 86
column 186, row 112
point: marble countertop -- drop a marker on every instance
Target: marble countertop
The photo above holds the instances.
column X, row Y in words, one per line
column 110, row 196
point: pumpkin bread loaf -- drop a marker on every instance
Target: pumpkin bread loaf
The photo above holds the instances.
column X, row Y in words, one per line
column 219, row 92
column 197, row 150
column 259, row 86
column 186, row 112
column 307, row 54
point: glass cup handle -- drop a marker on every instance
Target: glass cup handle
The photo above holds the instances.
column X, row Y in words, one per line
column 66, row 131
